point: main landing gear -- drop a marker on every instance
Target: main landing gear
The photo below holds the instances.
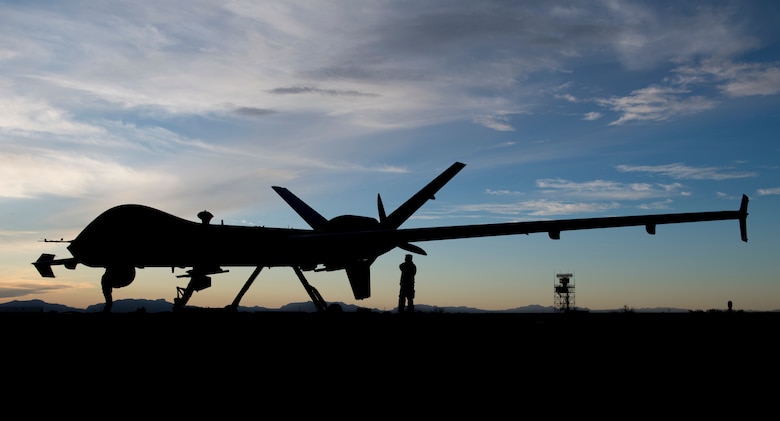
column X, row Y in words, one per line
column 199, row 281
column 316, row 298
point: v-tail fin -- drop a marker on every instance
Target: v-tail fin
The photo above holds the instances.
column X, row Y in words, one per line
column 406, row 210
column 311, row 216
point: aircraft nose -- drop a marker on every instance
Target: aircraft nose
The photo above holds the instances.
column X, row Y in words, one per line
column 74, row 248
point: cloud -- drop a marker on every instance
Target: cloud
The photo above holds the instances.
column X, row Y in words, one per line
column 495, row 122
column 602, row 189
column 676, row 97
column 684, row 172
column 655, row 103
column 58, row 174
column 664, row 204
column 546, row 207
column 763, row 81
column 311, row 90
column 648, row 36
column 766, row 192
column 502, row 145
column 567, row 97
column 7, row 53
column 252, row 111
column 600, row 196
column 535, row 208
column 11, row 289
column 733, row 78
column 591, row 116
column 409, row 66
column 503, row 192
column 133, row 84
column 22, row 114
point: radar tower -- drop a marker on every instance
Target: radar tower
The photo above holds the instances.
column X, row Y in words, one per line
column 564, row 292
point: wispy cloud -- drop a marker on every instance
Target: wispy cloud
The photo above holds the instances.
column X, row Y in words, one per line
column 536, row 208
column 685, row 172
column 548, row 208
column 767, row 192
column 655, row 103
column 503, row 192
column 602, row 189
column 759, row 80
column 495, row 122
column 591, row 116
column 22, row 114
column 14, row 289
column 30, row 176
column 252, row 111
column 567, row 97
column 502, row 145
column 732, row 78
column 677, row 97
column 311, row 90
column 663, row 204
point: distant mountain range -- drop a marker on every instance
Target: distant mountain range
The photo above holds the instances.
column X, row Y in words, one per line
column 160, row 305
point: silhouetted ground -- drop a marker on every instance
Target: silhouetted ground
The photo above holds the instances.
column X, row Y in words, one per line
column 557, row 332
column 477, row 364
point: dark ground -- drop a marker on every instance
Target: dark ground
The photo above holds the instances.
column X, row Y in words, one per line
column 454, row 364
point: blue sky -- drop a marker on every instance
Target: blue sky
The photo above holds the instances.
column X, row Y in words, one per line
column 559, row 109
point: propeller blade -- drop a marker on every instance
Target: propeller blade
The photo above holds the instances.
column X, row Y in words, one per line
column 412, row 248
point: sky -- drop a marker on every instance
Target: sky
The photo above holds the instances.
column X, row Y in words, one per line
column 559, row 109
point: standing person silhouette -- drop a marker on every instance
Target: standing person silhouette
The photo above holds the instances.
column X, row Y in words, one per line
column 406, row 296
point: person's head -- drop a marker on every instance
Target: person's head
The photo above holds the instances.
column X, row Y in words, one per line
column 408, row 257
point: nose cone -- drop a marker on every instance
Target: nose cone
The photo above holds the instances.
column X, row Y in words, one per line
column 91, row 245
column 76, row 248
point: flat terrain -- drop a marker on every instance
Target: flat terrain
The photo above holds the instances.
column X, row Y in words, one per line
column 393, row 334
column 490, row 363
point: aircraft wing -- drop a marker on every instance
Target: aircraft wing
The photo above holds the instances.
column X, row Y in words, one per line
column 554, row 227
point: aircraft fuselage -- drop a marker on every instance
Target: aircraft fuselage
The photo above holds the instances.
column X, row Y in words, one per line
column 141, row 236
